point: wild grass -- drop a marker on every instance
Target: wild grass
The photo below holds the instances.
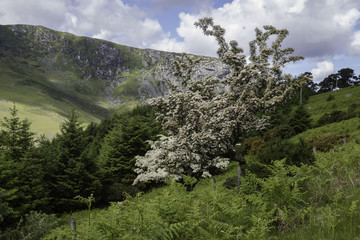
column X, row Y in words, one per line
column 343, row 98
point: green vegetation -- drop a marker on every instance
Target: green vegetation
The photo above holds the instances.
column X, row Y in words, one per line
column 49, row 73
column 44, row 175
column 308, row 201
column 297, row 179
column 281, row 196
column 344, row 98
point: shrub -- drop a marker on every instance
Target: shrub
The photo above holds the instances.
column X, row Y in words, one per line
column 352, row 111
column 230, row 182
column 327, row 141
column 251, row 145
column 337, row 116
column 282, row 132
column 35, row 226
column 330, row 98
column 334, row 116
column 294, row 153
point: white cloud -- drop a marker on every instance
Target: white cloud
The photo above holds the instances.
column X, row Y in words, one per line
column 316, row 28
column 115, row 21
column 321, row 28
column 39, row 12
column 355, row 44
column 348, row 19
column 71, row 19
column 108, row 19
column 323, row 69
column 298, row 7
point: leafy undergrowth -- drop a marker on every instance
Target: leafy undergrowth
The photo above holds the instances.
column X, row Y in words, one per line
column 318, row 201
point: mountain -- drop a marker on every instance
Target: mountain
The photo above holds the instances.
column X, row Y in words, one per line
column 46, row 73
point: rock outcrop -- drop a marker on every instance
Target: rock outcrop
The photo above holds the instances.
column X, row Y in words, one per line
column 92, row 66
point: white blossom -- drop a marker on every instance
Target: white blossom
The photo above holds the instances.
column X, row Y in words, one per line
column 204, row 118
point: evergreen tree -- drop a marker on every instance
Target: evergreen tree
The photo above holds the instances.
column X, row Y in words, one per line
column 15, row 136
column 300, row 121
column 5, row 210
column 126, row 140
column 73, row 172
column 16, row 144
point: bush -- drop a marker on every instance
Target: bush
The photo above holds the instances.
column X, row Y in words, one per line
column 230, row 182
column 281, row 132
column 327, row 141
column 294, row 153
column 251, row 145
column 34, row 227
column 352, row 111
column 330, row 98
column 337, row 116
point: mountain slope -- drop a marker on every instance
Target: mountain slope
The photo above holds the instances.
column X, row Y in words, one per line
column 46, row 73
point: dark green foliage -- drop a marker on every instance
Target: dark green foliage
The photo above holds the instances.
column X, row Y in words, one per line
column 337, row 116
column 34, row 226
column 231, row 182
column 126, row 140
column 343, row 78
column 327, row 141
column 73, row 172
column 330, row 98
column 15, row 136
column 293, row 153
column 16, row 165
column 251, row 145
column 5, row 210
column 282, row 132
column 300, row 121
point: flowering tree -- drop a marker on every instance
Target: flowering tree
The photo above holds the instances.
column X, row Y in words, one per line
column 204, row 118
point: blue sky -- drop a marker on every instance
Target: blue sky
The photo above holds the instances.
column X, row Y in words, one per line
column 325, row 32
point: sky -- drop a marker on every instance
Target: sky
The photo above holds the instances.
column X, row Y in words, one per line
column 325, row 32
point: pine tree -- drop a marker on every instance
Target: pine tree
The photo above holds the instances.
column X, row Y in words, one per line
column 16, row 143
column 301, row 120
column 73, row 173
column 126, row 140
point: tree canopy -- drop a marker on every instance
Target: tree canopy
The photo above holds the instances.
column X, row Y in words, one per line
column 205, row 118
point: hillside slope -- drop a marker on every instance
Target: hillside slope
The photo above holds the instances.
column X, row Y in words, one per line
column 315, row 201
column 46, row 73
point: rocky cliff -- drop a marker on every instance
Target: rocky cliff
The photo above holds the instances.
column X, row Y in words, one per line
column 114, row 73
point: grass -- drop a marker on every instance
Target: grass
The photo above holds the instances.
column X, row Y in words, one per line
column 343, row 98
column 41, row 102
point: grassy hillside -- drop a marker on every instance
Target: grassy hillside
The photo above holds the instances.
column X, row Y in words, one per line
column 317, row 201
column 48, row 73
column 40, row 101
column 341, row 101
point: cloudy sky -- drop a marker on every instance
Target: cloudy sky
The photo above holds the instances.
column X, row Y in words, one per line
column 325, row 32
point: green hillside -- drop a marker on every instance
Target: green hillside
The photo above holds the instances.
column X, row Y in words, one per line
column 341, row 100
column 41, row 79
column 317, row 201
column 40, row 101
column 46, row 73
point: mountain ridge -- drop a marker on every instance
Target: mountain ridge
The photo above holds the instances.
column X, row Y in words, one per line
column 92, row 75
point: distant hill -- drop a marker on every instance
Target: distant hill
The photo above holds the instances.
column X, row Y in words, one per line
column 46, row 73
